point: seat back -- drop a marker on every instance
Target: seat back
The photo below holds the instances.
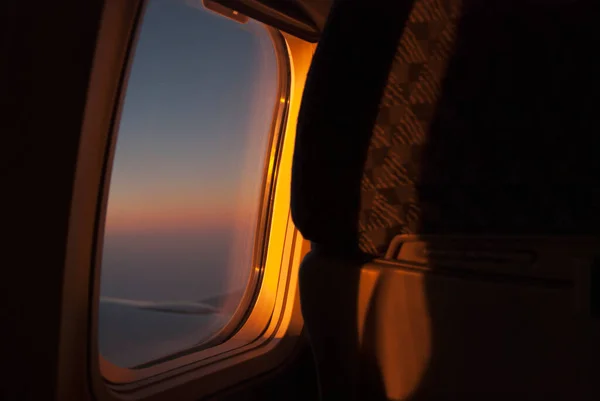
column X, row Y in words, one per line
column 480, row 140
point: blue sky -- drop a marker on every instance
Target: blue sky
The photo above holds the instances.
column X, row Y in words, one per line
column 197, row 111
column 189, row 158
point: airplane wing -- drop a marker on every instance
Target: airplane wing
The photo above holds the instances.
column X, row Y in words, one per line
column 187, row 308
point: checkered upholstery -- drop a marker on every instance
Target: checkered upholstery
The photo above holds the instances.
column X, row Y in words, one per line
column 389, row 198
column 486, row 124
column 444, row 117
column 482, row 122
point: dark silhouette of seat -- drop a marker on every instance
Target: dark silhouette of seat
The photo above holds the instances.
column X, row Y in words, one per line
column 444, row 119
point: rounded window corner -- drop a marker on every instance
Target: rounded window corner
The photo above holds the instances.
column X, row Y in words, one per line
column 128, row 172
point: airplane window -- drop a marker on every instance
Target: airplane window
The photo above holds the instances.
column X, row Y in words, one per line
column 186, row 186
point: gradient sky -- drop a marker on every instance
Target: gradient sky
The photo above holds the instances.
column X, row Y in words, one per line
column 195, row 123
column 190, row 156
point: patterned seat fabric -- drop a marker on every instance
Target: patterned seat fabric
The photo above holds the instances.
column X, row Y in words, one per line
column 486, row 124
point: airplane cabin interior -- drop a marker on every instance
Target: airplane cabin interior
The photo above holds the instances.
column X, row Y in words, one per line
column 424, row 223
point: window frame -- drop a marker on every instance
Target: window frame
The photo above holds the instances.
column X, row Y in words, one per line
column 262, row 345
column 244, row 312
column 248, row 300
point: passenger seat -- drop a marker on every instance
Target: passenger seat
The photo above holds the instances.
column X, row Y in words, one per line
column 447, row 172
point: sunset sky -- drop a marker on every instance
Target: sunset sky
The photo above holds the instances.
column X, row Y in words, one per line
column 190, row 156
column 193, row 133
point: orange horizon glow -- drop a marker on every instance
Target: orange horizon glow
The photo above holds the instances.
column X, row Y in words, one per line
column 190, row 180
column 165, row 220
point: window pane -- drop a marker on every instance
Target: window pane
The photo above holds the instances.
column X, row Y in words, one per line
column 186, row 183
